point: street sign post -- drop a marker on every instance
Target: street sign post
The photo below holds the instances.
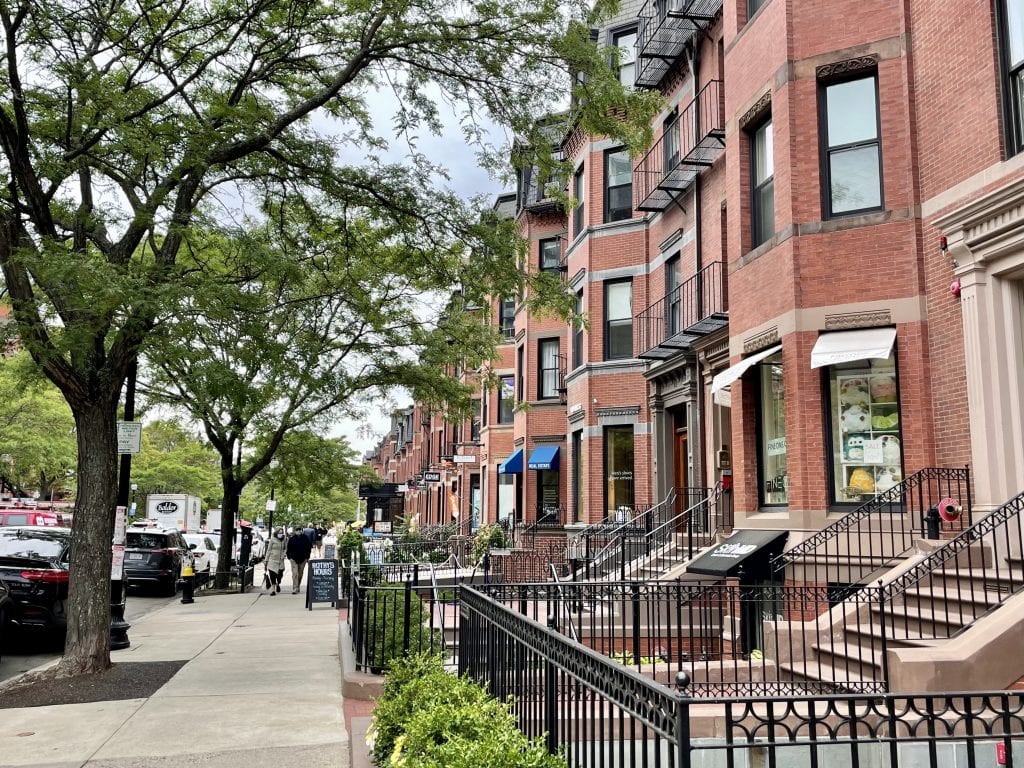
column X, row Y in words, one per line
column 129, row 436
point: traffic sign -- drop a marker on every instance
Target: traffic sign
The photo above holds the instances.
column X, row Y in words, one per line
column 129, row 436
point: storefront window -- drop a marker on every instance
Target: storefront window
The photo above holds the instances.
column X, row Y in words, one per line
column 618, row 462
column 864, row 409
column 772, row 421
column 547, row 495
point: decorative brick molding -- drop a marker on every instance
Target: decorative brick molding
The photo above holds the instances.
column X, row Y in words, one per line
column 846, row 67
column 761, row 341
column 548, row 439
column 867, row 319
column 626, row 410
column 760, row 107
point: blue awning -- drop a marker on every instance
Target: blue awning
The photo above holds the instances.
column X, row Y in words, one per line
column 513, row 465
column 544, row 457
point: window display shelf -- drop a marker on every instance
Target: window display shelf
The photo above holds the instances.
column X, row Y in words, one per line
column 870, row 454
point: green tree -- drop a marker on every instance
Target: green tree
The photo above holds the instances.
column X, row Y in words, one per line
column 37, row 431
column 125, row 123
column 172, row 460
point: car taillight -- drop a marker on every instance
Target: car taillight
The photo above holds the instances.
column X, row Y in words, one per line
column 46, row 577
column 166, row 551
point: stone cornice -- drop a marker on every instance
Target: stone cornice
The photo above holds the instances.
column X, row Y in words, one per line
column 763, row 340
column 869, row 319
column 760, row 107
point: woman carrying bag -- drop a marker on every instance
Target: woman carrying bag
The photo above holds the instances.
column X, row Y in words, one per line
column 275, row 562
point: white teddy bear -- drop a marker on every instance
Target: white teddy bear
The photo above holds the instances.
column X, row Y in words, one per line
column 888, row 477
column 855, row 419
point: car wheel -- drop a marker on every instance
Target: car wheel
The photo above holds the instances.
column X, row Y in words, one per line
column 170, row 587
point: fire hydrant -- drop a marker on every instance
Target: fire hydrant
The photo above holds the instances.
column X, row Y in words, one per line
column 187, row 583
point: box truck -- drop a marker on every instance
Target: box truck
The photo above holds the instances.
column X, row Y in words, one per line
column 174, row 510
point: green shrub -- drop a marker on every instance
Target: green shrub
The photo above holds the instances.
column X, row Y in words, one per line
column 428, row 718
column 385, row 630
column 487, row 537
column 349, row 542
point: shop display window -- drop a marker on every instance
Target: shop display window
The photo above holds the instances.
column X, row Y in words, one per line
column 867, row 449
column 772, row 429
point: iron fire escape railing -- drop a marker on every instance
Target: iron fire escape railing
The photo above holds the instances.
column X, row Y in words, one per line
column 696, row 308
column 687, row 146
column 665, row 26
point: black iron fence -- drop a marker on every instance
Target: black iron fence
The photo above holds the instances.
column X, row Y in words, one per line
column 668, row 320
column 599, row 712
column 388, row 619
column 879, row 532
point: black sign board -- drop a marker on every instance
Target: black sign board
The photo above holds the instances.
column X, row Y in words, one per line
column 322, row 583
column 432, row 477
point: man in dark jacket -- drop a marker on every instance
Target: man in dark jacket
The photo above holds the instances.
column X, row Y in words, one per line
column 298, row 549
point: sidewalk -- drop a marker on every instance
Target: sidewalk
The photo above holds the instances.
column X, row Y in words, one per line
column 261, row 689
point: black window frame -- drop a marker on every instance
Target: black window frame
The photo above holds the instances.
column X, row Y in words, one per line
column 617, row 35
column 757, row 236
column 520, row 373
column 544, row 248
column 753, row 6
column 577, row 333
column 1012, row 85
column 617, row 214
column 754, row 378
column 577, row 475
column 673, row 296
column 826, row 150
column 506, row 405
column 545, row 392
column 625, row 429
column 507, row 318
column 475, row 420
column 579, row 195
column 607, row 324
column 670, row 141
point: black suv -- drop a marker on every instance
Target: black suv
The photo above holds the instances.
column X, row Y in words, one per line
column 5, row 607
column 155, row 555
column 34, row 566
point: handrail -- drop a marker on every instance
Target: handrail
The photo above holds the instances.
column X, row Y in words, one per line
column 887, row 523
column 950, row 551
column 616, row 537
column 561, row 601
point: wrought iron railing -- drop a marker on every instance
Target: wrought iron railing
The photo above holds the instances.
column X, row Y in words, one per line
column 676, row 319
column 686, row 146
column 966, row 578
column 879, row 532
column 603, row 549
column 596, row 711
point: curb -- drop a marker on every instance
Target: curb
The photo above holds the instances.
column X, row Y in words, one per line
column 360, row 686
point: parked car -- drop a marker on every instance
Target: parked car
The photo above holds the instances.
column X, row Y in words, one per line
column 155, row 555
column 28, row 517
column 34, row 567
column 5, row 609
column 204, row 552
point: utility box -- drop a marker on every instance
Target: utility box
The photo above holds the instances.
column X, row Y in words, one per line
column 174, row 510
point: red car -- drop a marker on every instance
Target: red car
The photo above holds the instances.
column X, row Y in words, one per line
column 28, row 517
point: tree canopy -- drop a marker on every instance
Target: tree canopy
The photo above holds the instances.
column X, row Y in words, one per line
column 130, row 129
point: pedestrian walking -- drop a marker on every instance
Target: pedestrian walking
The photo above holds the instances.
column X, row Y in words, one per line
column 298, row 549
column 275, row 560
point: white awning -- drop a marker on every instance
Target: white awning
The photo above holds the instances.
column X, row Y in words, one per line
column 849, row 346
column 729, row 375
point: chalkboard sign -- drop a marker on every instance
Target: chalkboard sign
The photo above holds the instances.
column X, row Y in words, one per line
column 329, row 551
column 322, row 583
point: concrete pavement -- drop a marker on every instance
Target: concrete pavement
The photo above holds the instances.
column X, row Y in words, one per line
column 261, row 689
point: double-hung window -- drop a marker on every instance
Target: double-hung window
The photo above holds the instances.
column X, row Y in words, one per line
column 673, row 318
column 577, row 333
column 547, row 352
column 853, row 151
column 618, row 320
column 507, row 318
column 618, row 186
column 1012, row 33
column 762, row 177
column 578, row 212
column 550, row 254
column 670, row 140
column 625, row 43
column 506, row 399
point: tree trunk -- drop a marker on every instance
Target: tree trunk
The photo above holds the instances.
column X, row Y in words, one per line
column 88, row 638
column 228, row 515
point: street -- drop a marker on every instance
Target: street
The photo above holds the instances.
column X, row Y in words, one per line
column 22, row 654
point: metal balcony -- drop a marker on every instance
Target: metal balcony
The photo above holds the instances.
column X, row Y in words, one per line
column 695, row 309
column 685, row 148
column 664, row 28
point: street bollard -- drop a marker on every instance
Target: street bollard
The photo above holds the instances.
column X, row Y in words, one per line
column 188, row 581
column 932, row 521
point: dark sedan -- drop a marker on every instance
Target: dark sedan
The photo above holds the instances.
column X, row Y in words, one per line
column 5, row 609
column 34, row 566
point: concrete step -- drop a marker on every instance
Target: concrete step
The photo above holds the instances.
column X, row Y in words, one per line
column 838, row 678
column 915, row 622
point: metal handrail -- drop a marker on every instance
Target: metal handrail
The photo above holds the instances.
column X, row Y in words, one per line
column 563, row 604
column 904, row 503
column 617, row 537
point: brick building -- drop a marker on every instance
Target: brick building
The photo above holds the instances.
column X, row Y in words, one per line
column 812, row 280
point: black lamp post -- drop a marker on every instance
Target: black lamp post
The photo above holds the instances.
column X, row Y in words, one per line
column 118, row 588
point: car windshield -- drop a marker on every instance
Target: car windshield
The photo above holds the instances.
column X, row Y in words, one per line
column 147, row 540
column 37, row 545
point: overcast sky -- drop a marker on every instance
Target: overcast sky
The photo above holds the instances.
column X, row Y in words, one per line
column 467, row 179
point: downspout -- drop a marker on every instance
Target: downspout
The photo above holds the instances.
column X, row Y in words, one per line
column 693, row 60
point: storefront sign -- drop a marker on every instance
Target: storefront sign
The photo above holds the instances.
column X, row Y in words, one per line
column 431, row 477
column 322, row 584
column 382, row 526
column 460, row 459
column 776, row 447
column 622, row 474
